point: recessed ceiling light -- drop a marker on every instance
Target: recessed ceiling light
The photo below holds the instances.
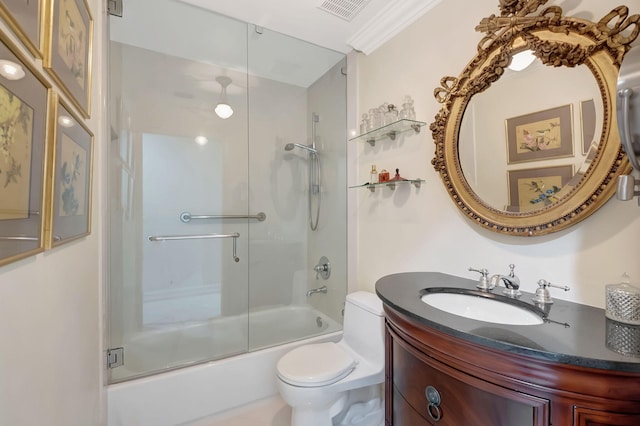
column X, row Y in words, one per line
column 65, row 121
column 201, row 140
column 10, row 70
column 521, row 60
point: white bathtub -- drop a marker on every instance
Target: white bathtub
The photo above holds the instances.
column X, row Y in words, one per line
column 187, row 394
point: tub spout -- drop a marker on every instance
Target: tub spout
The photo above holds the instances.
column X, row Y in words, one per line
column 322, row 289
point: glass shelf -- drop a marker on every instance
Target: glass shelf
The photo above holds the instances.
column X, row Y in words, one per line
column 391, row 184
column 389, row 131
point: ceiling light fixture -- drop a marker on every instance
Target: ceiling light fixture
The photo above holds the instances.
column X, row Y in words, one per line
column 201, row 140
column 10, row 70
column 521, row 60
column 65, row 121
column 223, row 109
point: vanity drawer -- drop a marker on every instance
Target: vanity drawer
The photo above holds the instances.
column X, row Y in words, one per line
column 404, row 414
column 463, row 399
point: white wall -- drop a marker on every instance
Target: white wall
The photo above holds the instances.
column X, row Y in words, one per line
column 422, row 230
column 50, row 313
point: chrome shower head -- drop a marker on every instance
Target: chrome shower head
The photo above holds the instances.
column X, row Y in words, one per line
column 290, row 146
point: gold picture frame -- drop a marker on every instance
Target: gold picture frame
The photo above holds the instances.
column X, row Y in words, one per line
column 588, row 124
column 71, row 166
column 68, row 47
column 23, row 147
column 540, row 135
column 25, row 17
column 533, row 189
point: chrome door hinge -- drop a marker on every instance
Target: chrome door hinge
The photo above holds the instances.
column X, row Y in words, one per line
column 115, row 357
column 114, row 7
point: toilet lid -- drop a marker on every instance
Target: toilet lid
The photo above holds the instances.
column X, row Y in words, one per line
column 318, row 364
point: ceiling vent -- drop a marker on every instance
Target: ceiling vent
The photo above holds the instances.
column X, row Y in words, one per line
column 345, row 9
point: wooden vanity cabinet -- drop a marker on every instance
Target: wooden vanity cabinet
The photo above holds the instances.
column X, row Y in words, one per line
column 481, row 386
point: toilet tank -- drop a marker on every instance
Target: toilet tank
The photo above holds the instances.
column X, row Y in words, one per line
column 364, row 325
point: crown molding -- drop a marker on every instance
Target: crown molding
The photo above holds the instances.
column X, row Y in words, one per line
column 392, row 19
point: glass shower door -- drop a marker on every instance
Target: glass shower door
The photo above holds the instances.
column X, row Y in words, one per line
column 178, row 279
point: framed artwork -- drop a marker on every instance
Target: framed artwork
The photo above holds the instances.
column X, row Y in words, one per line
column 69, row 205
column 24, row 98
column 24, row 17
column 532, row 189
column 540, row 135
column 588, row 124
column 67, row 53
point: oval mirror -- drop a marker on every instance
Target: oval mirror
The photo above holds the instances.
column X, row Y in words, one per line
column 532, row 149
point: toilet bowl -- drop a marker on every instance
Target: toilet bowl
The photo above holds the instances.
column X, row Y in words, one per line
column 315, row 380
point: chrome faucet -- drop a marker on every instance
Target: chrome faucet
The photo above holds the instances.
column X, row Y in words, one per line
column 483, row 281
column 322, row 289
column 511, row 282
column 543, row 296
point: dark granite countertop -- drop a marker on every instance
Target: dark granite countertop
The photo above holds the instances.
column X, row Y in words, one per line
column 572, row 333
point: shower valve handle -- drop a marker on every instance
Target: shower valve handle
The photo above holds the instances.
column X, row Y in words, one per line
column 323, row 268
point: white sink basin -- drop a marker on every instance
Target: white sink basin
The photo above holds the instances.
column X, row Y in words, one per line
column 482, row 308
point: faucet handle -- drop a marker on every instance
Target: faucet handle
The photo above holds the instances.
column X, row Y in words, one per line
column 542, row 295
column 511, row 268
column 483, row 281
column 323, row 268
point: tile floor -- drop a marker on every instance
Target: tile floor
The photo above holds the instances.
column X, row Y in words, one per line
column 267, row 412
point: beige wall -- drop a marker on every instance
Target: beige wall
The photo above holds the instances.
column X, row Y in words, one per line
column 50, row 308
column 414, row 230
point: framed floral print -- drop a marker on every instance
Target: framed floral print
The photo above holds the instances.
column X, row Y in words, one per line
column 24, row 17
column 67, row 53
column 24, row 95
column 69, row 205
column 540, row 135
column 532, row 189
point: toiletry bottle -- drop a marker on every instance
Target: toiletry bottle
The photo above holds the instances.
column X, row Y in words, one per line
column 374, row 174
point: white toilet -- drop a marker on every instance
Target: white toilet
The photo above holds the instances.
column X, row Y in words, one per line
column 315, row 379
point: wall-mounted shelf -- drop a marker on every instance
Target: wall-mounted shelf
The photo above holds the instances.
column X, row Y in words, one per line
column 389, row 131
column 391, row 184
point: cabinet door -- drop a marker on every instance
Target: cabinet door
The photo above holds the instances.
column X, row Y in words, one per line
column 464, row 399
column 589, row 417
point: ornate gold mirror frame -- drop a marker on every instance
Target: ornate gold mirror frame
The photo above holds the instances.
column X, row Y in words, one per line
column 558, row 41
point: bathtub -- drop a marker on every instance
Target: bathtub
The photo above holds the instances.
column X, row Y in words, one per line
column 187, row 394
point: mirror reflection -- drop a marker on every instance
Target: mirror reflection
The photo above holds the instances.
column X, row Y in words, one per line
column 532, row 152
column 528, row 137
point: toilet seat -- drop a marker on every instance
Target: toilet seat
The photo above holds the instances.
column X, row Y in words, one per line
column 314, row 365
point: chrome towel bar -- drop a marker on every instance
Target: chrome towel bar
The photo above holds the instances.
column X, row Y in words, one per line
column 19, row 238
column 235, row 236
column 187, row 217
